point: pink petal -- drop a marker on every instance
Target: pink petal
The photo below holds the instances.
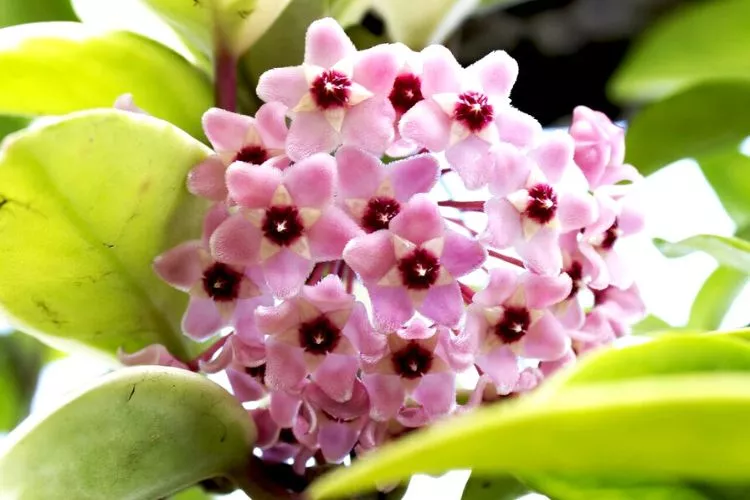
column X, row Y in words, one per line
column 549, row 367
column 441, row 73
column 154, row 354
column 284, row 85
column 226, row 130
column 571, row 314
column 268, row 430
column 201, row 319
column 206, row 179
column 472, row 160
column 284, row 408
column 310, row 181
column 310, row 133
column 359, row 173
column 436, row 393
column 336, row 376
column 517, row 127
column 545, row 339
column 554, row 154
column 458, row 348
column 501, row 364
column 245, row 325
column 461, row 254
column 181, row 266
column 244, row 387
column 338, row 439
column 443, row 304
column 386, row 395
column 326, row 43
column 236, row 241
column 252, row 186
column 371, row 255
column 271, row 124
column 503, row 222
column 416, row 330
column 502, row 285
column 391, row 306
column 277, row 319
column 497, row 72
column 416, row 174
column 544, row 291
column 286, row 272
column 364, row 337
column 376, row 68
column 607, row 212
column 509, row 169
column 575, row 211
column 426, row 125
column 214, row 217
column 328, row 295
column 619, row 272
column 413, row 416
column 369, row 125
column 285, row 366
column 419, row 220
column 330, row 234
column 541, row 253
column 631, row 218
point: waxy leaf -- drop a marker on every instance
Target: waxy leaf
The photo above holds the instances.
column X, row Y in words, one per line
column 57, row 68
column 420, row 22
column 728, row 251
column 499, row 487
column 140, row 433
column 14, row 12
column 21, row 359
column 716, row 297
column 86, row 203
column 701, row 42
column 651, row 324
column 10, row 124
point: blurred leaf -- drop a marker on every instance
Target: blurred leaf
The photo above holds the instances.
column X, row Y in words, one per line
column 728, row 251
column 154, row 431
column 91, row 69
column 14, row 12
column 702, row 41
column 191, row 494
column 88, row 201
column 716, row 297
column 10, row 124
column 349, row 12
column 21, row 359
column 651, row 324
column 417, row 23
column 500, row 487
column 364, row 38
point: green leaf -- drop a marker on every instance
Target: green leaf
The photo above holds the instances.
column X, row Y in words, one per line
column 349, row 12
column 21, row 359
column 419, row 22
column 500, row 487
column 152, row 431
column 703, row 41
column 716, row 297
column 10, row 124
column 91, row 69
column 14, row 12
column 86, row 203
column 728, row 251
column 651, row 324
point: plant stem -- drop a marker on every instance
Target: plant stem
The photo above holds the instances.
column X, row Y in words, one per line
column 505, row 258
column 466, row 206
column 225, row 79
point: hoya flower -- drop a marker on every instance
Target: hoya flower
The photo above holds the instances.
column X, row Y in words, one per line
column 414, row 265
column 405, row 93
column 413, row 366
column 314, row 333
column 285, row 221
column 373, row 193
column 509, row 318
column 337, row 95
column 236, row 137
column 531, row 220
column 621, row 307
column 154, row 354
column 466, row 111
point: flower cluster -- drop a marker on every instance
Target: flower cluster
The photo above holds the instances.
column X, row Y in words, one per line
column 345, row 297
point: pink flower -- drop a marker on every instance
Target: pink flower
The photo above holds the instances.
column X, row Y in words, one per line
column 154, row 354
column 405, row 93
column 285, row 221
column 373, row 193
column 413, row 366
column 465, row 111
column 621, row 307
column 531, row 220
column 414, row 265
column 244, row 360
column 314, row 333
column 509, row 318
column 236, row 137
column 337, row 95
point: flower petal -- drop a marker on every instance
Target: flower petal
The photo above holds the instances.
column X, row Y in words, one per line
column 541, row 253
column 436, row 393
column 365, row 338
column 391, row 306
column 416, row 174
column 426, row 125
column 181, row 266
column 545, row 339
column 369, row 125
column 386, row 395
column 206, row 179
column 284, row 85
column 501, row 364
column 328, row 295
column 472, row 160
column 503, row 222
column 359, row 173
column 252, row 186
column 285, row 366
column 202, row 319
column 271, row 124
column 419, row 220
column 376, row 68
column 443, row 304
column 441, row 72
column 517, row 127
column 337, row 439
column 244, row 387
column 226, row 130
column 326, row 43
column 554, row 154
column 496, row 72
column 508, row 169
column 330, row 234
column 236, row 241
column 336, row 376
column 461, row 254
column 310, row 181
column 575, row 210
column 268, row 430
column 310, row 133
column 279, row 318
column 544, row 291
column 371, row 255
column 286, row 272
column 502, row 284
column 284, row 408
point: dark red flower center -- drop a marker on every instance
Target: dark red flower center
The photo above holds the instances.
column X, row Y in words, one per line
column 222, row 282
column 331, row 89
column 282, row 224
column 419, row 269
column 542, row 203
column 286, row 435
column 406, row 92
column 319, row 335
column 514, row 324
column 379, row 212
column 610, row 237
column 254, row 155
column 257, row 372
column 575, row 271
column 473, row 111
column 412, row 360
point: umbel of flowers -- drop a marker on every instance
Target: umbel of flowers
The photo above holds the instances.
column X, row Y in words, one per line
column 345, row 296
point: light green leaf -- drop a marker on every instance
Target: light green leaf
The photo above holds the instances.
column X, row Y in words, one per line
column 140, row 433
column 651, row 324
column 420, row 22
column 14, row 12
column 10, row 124
column 57, row 68
column 700, row 42
column 349, row 12
column 21, row 359
column 716, row 297
column 728, row 251
column 669, row 427
column 500, row 487
column 87, row 202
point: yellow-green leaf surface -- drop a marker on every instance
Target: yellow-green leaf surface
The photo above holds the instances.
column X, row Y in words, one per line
column 31, row 11
column 57, row 68
column 499, row 487
column 728, row 251
column 700, row 42
column 670, row 427
column 419, row 22
column 86, row 203
column 140, row 433
column 715, row 297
